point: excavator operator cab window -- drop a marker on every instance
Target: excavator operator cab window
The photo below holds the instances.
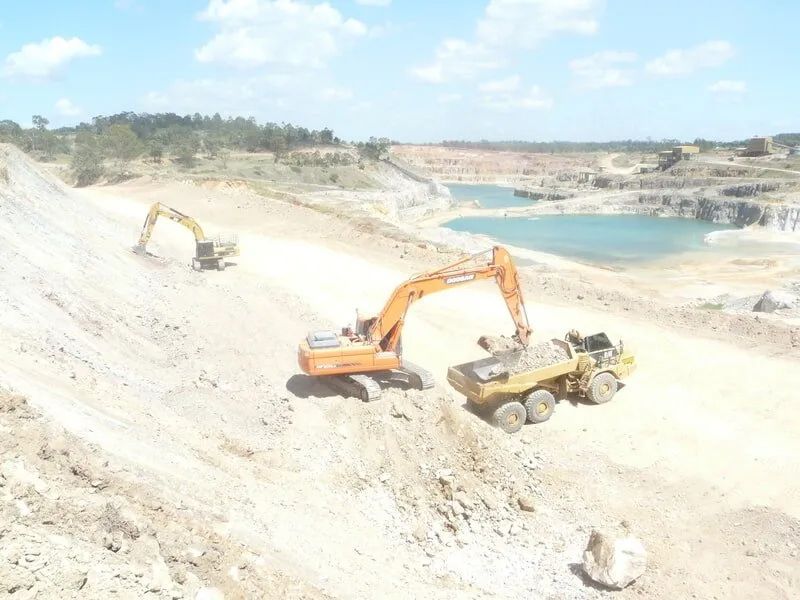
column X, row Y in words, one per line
column 363, row 325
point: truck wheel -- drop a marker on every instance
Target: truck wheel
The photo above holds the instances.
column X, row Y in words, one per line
column 539, row 405
column 197, row 265
column 221, row 264
column 602, row 388
column 510, row 417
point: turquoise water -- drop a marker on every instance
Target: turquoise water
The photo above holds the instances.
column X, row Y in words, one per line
column 489, row 196
column 596, row 238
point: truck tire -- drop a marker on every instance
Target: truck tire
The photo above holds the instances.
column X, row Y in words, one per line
column 602, row 388
column 221, row 264
column 197, row 265
column 539, row 406
column 510, row 417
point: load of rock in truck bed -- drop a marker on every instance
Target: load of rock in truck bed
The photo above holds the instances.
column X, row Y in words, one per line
column 516, row 358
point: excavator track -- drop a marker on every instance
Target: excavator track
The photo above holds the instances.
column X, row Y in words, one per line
column 418, row 377
column 359, row 386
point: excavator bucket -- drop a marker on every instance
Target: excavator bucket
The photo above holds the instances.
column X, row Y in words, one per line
column 495, row 345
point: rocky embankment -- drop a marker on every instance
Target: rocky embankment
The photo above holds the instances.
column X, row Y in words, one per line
column 769, row 204
column 744, row 213
column 400, row 195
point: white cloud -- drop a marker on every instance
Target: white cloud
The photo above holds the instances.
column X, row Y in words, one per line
column 449, row 98
column 66, row 108
column 727, row 86
column 374, row 2
column 527, row 22
column 44, row 59
column 533, row 99
column 253, row 33
column 457, row 59
column 508, row 25
column 230, row 96
column 334, row 94
column 687, row 60
column 509, row 84
column 603, row 69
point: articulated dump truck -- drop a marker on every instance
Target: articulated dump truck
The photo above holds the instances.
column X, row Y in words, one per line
column 513, row 390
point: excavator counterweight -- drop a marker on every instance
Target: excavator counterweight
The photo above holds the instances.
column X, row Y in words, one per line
column 209, row 252
column 355, row 361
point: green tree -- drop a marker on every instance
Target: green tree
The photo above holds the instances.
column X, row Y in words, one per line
column 375, row 148
column 122, row 145
column 155, row 150
column 87, row 159
column 212, row 147
column 184, row 147
column 279, row 146
column 224, row 156
column 39, row 127
column 10, row 132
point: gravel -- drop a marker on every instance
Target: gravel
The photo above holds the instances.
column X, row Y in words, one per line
column 534, row 357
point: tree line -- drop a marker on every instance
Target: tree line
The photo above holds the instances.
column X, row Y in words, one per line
column 647, row 146
column 123, row 137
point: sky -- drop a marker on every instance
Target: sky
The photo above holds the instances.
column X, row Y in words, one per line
column 414, row 70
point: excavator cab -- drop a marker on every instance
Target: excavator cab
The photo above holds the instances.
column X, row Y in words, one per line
column 363, row 325
column 204, row 249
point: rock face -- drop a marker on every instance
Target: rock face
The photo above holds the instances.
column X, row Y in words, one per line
column 614, row 562
column 780, row 217
column 771, row 301
column 745, row 190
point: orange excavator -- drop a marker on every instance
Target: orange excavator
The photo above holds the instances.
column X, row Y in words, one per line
column 356, row 362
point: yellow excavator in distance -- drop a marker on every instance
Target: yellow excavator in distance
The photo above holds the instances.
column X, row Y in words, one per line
column 209, row 253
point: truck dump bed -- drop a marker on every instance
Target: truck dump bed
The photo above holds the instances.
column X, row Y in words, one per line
column 489, row 379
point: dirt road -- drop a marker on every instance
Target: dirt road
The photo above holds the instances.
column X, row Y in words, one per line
column 723, row 163
column 186, row 384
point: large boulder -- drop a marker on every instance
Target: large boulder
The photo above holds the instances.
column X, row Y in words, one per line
column 614, row 562
column 771, row 301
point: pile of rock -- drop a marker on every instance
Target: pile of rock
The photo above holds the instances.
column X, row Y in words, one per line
column 771, row 301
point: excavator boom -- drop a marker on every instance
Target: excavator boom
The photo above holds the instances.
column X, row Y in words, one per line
column 387, row 326
column 161, row 210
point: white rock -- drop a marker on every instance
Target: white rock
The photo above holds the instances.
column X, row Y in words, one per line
column 771, row 301
column 209, row 593
column 614, row 562
column 160, row 578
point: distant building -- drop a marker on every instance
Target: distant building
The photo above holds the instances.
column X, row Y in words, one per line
column 685, row 152
column 665, row 158
column 759, row 146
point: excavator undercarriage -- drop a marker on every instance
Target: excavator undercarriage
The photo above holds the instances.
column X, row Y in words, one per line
column 368, row 386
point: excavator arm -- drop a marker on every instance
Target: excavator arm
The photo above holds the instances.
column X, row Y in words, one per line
column 388, row 325
column 160, row 210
